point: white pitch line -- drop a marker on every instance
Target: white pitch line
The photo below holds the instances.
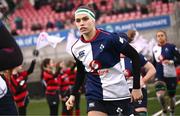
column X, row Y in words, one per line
column 159, row 112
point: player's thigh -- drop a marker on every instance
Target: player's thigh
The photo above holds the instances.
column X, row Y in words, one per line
column 96, row 113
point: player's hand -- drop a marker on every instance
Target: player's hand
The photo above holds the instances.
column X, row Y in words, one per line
column 127, row 73
column 167, row 62
column 35, row 53
column 70, row 102
column 136, row 94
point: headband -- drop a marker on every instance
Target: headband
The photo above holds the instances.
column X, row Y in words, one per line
column 85, row 11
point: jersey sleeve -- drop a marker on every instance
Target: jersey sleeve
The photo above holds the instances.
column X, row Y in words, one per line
column 176, row 54
column 80, row 77
column 118, row 42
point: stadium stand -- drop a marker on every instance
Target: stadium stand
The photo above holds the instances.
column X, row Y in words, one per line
column 108, row 13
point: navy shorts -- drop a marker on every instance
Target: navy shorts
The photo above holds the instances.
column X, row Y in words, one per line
column 7, row 105
column 114, row 108
column 143, row 102
column 171, row 84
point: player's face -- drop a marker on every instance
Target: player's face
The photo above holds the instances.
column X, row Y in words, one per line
column 161, row 38
column 84, row 23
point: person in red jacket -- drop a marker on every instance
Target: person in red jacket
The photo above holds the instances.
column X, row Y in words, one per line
column 49, row 76
column 18, row 84
column 67, row 80
column 64, row 84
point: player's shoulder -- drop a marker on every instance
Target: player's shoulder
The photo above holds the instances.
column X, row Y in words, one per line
column 170, row 45
column 105, row 34
column 156, row 47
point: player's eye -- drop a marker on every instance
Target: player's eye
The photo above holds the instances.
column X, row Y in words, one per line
column 85, row 18
column 160, row 35
column 78, row 20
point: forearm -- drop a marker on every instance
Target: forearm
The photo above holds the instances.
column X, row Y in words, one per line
column 80, row 77
column 151, row 71
column 31, row 68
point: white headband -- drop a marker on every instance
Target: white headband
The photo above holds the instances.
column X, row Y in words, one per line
column 85, row 11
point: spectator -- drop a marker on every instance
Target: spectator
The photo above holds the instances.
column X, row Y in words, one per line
column 59, row 24
column 49, row 24
column 18, row 22
column 144, row 9
column 36, row 26
column 49, row 76
column 19, row 87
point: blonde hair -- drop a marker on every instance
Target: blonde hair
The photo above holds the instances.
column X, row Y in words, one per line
column 162, row 32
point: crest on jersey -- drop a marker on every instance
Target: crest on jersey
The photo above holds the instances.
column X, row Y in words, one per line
column 121, row 39
column 81, row 54
column 101, row 47
column 166, row 49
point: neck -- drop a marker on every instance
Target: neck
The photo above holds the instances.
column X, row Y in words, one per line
column 162, row 44
column 90, row 35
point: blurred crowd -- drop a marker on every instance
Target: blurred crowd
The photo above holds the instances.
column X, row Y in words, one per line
column 35, row 16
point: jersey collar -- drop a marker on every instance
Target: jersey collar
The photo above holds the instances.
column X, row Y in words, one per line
column 87, row 41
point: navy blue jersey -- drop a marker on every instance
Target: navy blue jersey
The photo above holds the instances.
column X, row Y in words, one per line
column 165, row 52
column 100, row 60
column 126, row 64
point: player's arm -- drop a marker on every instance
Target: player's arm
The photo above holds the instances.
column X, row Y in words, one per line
column 150, row 72
column 80, row 77
column 177, row 55
column 120, row 45
column 31, row 68
column 130, row 52
column 10, row 53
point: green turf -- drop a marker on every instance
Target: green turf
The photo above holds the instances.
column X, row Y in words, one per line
column 40, row 107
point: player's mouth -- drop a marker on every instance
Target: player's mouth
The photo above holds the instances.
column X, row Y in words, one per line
column 83, row 29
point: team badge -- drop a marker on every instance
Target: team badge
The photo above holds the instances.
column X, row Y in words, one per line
column 101, row 47
column 81, row 54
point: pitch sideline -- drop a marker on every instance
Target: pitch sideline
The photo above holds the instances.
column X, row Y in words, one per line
column 159, row 112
